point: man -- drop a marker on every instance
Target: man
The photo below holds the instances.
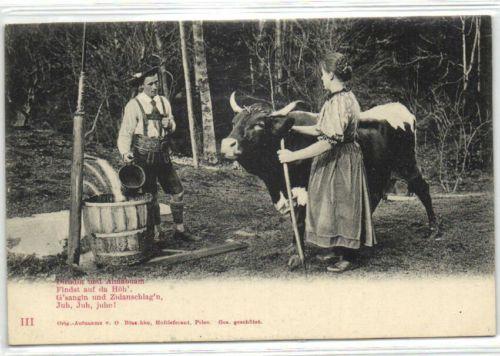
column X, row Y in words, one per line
column 143, row 139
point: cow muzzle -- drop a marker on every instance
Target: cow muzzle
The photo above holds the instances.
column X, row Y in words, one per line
column 230, row 148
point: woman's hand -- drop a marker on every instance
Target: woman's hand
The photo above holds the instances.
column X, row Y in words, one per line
column 286, row 156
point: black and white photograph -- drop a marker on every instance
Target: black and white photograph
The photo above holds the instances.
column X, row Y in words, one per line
column 242, row 154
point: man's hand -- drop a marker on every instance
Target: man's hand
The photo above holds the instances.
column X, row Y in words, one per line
column 168, row 123
column 128, row 157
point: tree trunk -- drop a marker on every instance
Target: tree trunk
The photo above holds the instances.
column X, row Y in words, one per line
column 185, row 66
column 259, row 41
column 465, row 78
column 284, row 46
column 467, row 67
column 278, row 57
column 201, row 75
column 271, row 83
column 252, row 75
column 478, row 26
column 163, row 68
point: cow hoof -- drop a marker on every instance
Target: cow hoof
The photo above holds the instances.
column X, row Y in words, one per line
column 294, row 262
column 290, row 249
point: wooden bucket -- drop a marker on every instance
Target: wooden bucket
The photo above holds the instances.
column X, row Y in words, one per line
column 102, row 215
column 122, row 248
column 121, row 231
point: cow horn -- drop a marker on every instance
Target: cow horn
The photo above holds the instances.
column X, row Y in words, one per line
column 234, row 105
column 286, row 109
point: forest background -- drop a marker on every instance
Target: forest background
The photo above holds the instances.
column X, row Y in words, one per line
column 440, row 68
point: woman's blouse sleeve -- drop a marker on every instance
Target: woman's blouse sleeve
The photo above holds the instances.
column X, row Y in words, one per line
column 334, row 118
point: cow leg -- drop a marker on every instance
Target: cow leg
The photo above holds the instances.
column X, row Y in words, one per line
column 375, row 199
column 420, row 187
column 377, row 184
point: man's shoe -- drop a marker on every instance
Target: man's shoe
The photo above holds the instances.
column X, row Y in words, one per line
column 156, row 234
column 161, row 244
column 185, row 236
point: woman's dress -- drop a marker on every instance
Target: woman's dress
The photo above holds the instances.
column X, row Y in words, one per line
column 338, row 209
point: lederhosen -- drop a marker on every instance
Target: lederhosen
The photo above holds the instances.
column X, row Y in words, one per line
column 153, row 155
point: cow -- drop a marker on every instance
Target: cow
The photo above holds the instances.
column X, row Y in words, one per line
column 386, row 134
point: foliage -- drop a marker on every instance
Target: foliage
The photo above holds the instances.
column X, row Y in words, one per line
column 50, row 65
column 439, row 67
column 433, row 66
column 458, row 137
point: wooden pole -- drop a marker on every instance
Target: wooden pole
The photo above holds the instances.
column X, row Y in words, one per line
column 292, row 210
column 196, row 254
column 189, row 99
column 75, row 214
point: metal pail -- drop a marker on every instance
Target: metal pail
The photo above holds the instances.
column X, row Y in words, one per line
column 132, row 176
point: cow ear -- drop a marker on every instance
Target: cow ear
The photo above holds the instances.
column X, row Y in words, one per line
column 281, row 125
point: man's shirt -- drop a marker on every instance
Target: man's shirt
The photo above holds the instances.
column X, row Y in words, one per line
column 132, row 119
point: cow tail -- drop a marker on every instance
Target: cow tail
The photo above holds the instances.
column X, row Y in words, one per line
column 415, row 135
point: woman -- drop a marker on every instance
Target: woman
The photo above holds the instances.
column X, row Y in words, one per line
column 338, row 209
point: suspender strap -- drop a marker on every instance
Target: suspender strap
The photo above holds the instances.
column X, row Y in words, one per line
column 164, row 113
column 144, row 118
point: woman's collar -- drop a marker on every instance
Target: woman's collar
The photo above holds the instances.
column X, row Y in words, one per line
column 345, row 89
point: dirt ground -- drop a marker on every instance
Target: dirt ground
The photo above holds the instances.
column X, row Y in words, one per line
column 223, row 203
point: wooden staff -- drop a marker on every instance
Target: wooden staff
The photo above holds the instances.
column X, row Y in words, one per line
column 75, row 213
column 292, row 210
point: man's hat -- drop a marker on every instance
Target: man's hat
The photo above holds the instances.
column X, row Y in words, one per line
column 149, row 68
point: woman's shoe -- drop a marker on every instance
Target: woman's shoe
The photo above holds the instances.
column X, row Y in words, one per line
column 326, row 257
column 340, row 266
